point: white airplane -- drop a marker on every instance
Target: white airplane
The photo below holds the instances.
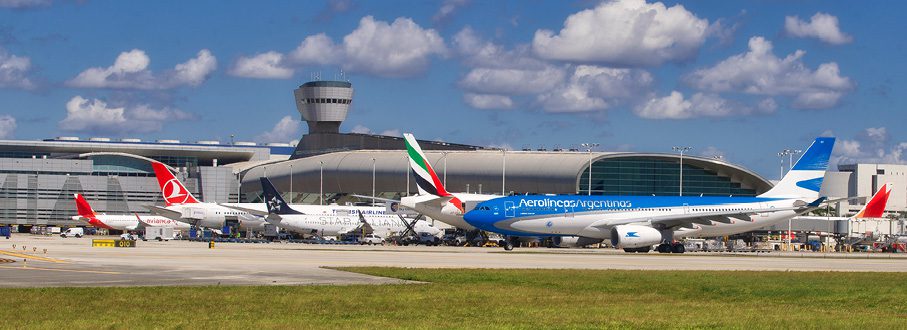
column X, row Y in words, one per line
column 636, row 223
column 181, row 206
column 433, row 199
column 341, row 220
column 121, row 222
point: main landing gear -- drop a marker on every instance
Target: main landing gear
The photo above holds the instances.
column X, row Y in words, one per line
column 674, row 247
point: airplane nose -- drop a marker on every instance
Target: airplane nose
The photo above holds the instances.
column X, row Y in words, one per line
column 475, row 219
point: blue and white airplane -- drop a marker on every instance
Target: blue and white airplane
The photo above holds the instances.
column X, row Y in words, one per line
column 636, row 223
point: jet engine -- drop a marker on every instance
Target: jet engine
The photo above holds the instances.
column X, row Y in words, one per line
column 574, row 241
column 634, row 236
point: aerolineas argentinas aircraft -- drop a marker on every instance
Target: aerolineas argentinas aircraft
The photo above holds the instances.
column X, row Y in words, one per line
column 636, row 223
column 341, row 221
column 124, row 222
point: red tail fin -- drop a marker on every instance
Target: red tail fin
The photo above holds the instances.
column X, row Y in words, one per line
column 171, row 188
column 83, row 208
column 876, row 205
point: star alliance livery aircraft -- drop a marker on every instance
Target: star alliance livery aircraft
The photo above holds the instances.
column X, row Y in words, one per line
column 636, row 223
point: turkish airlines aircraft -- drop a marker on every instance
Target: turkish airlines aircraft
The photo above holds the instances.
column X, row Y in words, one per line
column 122, row 222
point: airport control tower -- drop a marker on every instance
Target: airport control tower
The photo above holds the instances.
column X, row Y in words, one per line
column 324, row 104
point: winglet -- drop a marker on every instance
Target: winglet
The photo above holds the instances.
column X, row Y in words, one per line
column 817, row 202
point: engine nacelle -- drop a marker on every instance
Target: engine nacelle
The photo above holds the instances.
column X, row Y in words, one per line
column 634, row 236
column 574, row 241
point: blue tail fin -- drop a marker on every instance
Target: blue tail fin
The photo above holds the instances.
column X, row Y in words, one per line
column 272, row 198
column 804, row 180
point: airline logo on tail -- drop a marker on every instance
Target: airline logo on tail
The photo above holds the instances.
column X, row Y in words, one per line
column 172, row 189
column 426, row 178
column 875, row 208
column 804, row 180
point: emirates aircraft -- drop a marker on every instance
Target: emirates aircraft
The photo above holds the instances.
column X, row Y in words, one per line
column 124, row 222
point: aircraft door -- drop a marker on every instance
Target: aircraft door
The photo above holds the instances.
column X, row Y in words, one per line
column 509, row 211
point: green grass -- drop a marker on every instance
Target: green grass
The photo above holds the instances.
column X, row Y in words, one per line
column 469, row 298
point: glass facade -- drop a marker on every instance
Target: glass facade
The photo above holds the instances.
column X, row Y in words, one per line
column 645, row 176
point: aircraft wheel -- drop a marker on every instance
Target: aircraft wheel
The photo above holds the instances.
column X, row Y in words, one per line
column 644, row 249
column 678, row 248
column 663, row 248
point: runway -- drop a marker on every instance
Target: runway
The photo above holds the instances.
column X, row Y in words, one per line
column 73, row 262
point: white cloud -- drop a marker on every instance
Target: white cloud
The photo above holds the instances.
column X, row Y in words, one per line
column 512, row 81
column 625, row 33
column 7, row 126
column 265, row 65
column 399, row 49
column 595, row 88
column 760, row 72
column 488, row 101
column 477, row 52
column 130, row 71
column 391, row 132
column 822, row 26
column 286, row 130
column 19, row 4
column 14, row 71
column 394, row 50
column 872, row 145
column 359, row 129
column 316, row 49
column 95, row 116
column 675, row 106
column 712, row 152
column 448, row 8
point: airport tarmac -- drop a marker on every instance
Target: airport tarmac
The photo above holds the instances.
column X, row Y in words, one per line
column 73, row 262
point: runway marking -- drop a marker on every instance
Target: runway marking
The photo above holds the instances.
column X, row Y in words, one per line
column 61, row 270
column 32, row 257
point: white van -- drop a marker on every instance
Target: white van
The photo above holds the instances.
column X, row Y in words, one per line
column 76, row 232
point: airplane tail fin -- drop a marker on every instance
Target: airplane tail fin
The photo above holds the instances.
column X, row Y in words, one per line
column 426, row 179
column 876, row 205
column 83, row 207
column 272, row 198
column 804, row 180
column 171, row 188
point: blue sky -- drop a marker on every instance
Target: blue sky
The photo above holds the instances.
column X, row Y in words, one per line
column 742, row 79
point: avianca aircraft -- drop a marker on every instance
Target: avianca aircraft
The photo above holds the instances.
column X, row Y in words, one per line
column 875, row 208
column 121, row 222
column 636, row 223
column 182, row 206
column 341, row 221
column 433, row 199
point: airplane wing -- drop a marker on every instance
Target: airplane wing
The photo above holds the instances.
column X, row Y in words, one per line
column 165, row 212
column 707, row 218
column 245, row 209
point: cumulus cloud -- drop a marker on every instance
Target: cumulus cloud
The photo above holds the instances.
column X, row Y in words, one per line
column 760, row 72
column 488, row 101
column 21, row 4
column 625, row 33
column 394, row 50
column 872, row 145
column 676, row 106
column 130, row 71
column 712, row 152
column 268, row 65
column 448, row 9
column 822, row 26
column 512, row 81
column 14, row 71
column 7, row 126
column 595, row 88
column 96, row 116
column 286, row 130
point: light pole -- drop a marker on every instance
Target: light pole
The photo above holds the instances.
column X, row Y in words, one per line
column 373, row 181
column 321, row 183
column 406, row 170
column 445, row 168
column 781, row 157
column 503, row 172
column 681, row 150
column 790, row 159
column 291, row 184
column 589, row 147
